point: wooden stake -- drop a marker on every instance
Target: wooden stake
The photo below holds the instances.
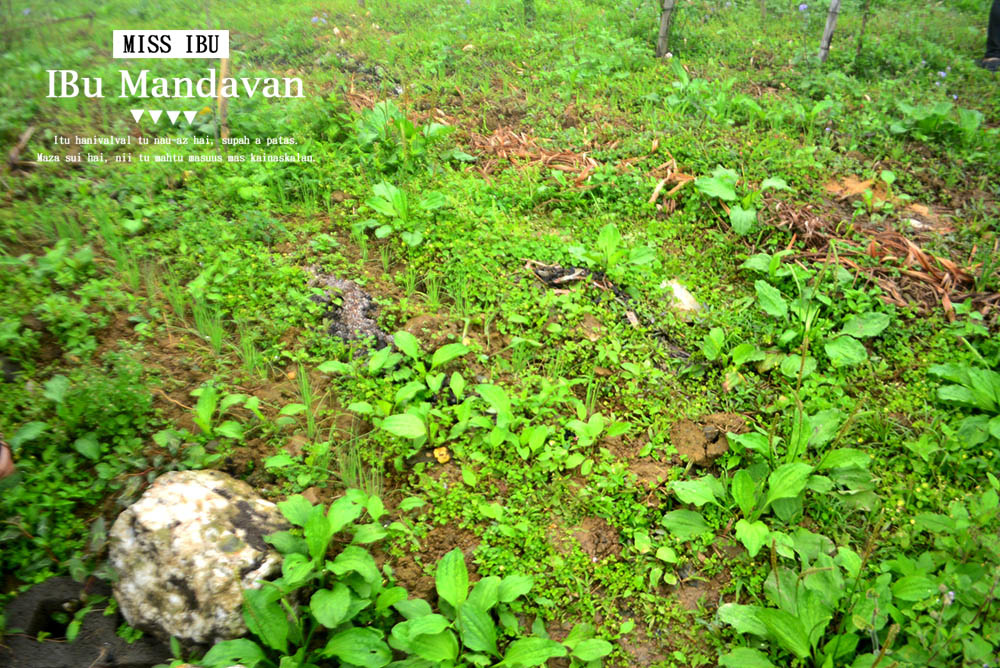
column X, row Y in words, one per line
column 222, row 104
column 866, row 12
column 831, row 24
column 665, row 18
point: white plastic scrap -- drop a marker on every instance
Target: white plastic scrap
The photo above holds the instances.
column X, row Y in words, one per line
column 682, row 300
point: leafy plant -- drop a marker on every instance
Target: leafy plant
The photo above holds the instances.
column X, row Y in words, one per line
column 935, row 122
column 392, row 202
column 353, row 616
column 388, row 140
column 775, row 481
column 609, row 255
column 210, row 401
column 927, row 611
column 743, row 211
column 809, row 316
column 974, row 388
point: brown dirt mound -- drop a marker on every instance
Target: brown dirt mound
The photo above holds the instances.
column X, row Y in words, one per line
column 703, row 442
column 415, row 572
column 598, row 539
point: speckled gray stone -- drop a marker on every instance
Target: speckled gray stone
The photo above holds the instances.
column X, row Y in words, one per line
column 186, row 549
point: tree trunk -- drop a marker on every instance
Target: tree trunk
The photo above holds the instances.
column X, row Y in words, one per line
column 831, row 24
column 663, row 38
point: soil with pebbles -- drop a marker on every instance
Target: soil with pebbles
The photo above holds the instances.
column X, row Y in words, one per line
column 354, row 317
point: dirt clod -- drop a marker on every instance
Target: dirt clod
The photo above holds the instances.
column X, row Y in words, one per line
column 415, row 572
column 598, row 539
column 702, row 443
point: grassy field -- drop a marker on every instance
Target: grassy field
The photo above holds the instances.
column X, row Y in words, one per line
column 797, row 470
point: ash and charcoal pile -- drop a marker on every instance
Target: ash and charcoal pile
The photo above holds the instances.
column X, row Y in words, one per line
column 558, row 277
column 353, row 318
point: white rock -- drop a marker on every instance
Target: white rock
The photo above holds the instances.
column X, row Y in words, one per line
column 682, row 300
column 185, row 551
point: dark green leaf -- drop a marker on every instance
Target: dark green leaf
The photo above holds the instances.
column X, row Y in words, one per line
column 408, row 344
column 845, row 351
column 913, row 588
column 329, row 606
column 286, row 543
column 405, row 426
column 742, row 220
column 770, row 299
column 745, row 657
column 232, row 652
column 431, row 624
column 296, row 569
column 787, row 630
column 27, row 432
column 775, row 183
column 744, row 491
column 390, row 597
column 721, row 184
column 788, row 481
column 743, row 618
column 358, row 560
column 685, row 524
column 88, row 446
column 698, row 492
column 845, row 458
column 318, row 532
column 513, row 586
column 452, row 578
column 360, row 646
column 439, row 648
column 447, row 353
column 485, row 593
column 593, row 649
column 296, row 509
column 413, row 608
column 753, row 535
column 369, row 533
column 343, row 511
column 265, row 617
column 477, row 629
column 865, row 325
column 531, row 652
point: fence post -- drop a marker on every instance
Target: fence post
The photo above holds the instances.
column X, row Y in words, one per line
column 831, row 24
column 664, row 37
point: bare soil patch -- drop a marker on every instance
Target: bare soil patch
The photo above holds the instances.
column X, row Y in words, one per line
column 415, row 572
column 703, row 442
column 598, row 539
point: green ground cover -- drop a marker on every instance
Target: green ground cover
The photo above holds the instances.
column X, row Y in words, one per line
column 801, row 473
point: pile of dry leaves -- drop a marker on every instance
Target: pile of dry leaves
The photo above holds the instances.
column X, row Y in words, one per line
column 896, row 262
column 524, row 150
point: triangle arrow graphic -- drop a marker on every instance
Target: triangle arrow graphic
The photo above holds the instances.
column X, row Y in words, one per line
column 189, row 115
column 155, row 114
column 172, row 115
column 137, row 114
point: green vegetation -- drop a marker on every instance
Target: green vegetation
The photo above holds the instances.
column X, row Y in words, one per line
column 553, row 460
column 349, row 602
